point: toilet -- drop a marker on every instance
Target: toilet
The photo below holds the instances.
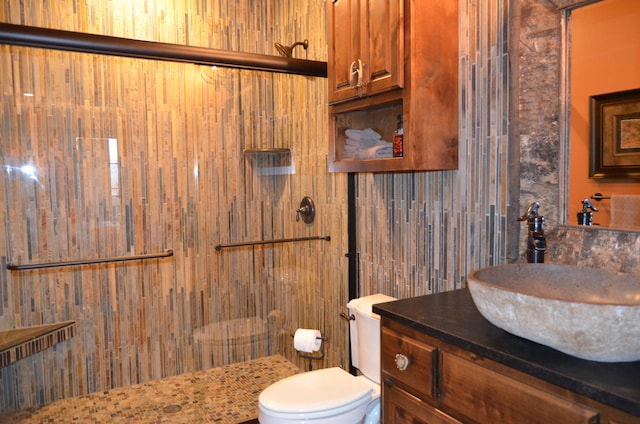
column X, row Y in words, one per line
column 332, row 395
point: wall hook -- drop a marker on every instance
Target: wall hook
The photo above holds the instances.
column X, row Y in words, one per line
column 307, row 210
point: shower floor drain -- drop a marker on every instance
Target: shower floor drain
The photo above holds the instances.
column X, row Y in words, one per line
column 172, row 409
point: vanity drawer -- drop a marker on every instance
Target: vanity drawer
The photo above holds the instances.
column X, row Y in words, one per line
column 487, row 396
column 410, row 362
column 401, row 407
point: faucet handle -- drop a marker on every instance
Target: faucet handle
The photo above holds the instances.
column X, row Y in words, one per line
column 586, row 205
column 307, row 210
column 532, row 212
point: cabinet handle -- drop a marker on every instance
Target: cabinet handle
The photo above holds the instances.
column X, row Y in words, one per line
column 402, row 362
column 435, row 373
column 355, row 71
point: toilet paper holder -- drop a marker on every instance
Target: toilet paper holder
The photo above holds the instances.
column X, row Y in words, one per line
column 319, row 356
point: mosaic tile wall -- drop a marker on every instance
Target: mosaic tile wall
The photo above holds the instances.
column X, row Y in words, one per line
column 129, row 156
column 429, row 230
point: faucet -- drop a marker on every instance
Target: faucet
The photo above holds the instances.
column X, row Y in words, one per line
column 585, row 217
column 536, row 241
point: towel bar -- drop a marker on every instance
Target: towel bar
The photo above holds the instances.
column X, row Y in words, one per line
column 253, row 243
column 15, row 267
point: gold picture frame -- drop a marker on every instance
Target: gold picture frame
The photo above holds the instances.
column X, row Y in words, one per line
column 615, row 135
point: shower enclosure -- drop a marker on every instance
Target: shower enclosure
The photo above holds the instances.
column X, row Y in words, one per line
column 140, row 167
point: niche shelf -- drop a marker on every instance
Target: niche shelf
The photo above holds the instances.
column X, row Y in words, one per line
column 267, row 150
column 22, row 342
column 271, row 160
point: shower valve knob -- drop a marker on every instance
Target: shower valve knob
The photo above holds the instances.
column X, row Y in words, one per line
column 306, row 211
column 402, row 362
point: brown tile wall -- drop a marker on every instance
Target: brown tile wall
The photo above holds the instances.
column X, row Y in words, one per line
column 427, row 231
column 182, row 183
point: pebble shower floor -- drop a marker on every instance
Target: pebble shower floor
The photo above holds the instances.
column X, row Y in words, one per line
column 221, row 395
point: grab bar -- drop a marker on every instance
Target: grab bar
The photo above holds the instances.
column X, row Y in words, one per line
column 253, row 243
column 15, row 267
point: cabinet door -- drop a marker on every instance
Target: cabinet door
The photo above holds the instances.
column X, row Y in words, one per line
column 384, row 45
column 344, row 27
column 487, row 396
column 366, row 47
column 402, row 408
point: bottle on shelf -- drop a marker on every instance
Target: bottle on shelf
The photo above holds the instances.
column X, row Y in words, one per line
column 398, row 136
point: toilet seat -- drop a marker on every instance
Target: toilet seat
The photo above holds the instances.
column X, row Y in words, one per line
column 315, row 394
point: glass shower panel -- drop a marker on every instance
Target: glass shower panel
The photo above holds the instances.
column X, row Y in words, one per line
column 110, row 157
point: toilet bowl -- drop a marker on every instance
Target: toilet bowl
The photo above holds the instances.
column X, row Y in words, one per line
column 332, row 395
column 326, row 396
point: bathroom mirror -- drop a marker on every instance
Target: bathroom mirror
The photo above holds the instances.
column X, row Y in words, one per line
column 539, row 121
column 601, row 57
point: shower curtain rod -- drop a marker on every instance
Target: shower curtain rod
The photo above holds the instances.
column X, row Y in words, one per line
column 254, row 243
column 29, row 36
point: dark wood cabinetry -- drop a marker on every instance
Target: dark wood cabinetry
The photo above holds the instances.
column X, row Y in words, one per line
column 366, row 48
column 425, row 380
column 390, row 58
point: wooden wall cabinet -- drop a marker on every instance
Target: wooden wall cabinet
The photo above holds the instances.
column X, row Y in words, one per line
column 425, row 380
column 390, row 58
column 366, row 47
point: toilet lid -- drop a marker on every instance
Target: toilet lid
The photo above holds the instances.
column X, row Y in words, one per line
column 313, row 391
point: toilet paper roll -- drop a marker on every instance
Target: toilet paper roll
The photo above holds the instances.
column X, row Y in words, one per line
column 307, row 340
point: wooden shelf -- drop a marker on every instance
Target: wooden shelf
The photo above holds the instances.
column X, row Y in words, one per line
column 270, row 160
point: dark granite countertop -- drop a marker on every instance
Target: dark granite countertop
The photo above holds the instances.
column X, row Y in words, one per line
column 453, row 318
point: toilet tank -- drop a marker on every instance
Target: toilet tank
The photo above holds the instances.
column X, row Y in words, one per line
column 365, row 335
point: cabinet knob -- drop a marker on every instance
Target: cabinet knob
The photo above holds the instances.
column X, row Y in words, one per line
column 402, row 362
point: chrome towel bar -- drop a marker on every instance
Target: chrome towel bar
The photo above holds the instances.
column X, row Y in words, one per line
column 15, row 267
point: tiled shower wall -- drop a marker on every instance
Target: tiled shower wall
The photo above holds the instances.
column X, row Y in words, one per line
column 427, row 231
column 114, row 157
column 183, row 183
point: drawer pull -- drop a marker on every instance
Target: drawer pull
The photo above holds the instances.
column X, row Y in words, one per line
column 402, row 362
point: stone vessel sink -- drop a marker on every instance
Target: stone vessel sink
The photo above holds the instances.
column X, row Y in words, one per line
column 584, row 312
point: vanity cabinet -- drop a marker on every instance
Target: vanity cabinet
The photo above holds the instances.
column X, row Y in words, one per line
column 426, row 380
column 387, row 59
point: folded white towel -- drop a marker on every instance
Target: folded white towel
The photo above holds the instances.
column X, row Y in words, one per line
column 383, row 150
column 363, row 143
column 367, row 133
column 348, row 154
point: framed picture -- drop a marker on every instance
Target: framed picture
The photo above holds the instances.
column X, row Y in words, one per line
column 615, row 135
